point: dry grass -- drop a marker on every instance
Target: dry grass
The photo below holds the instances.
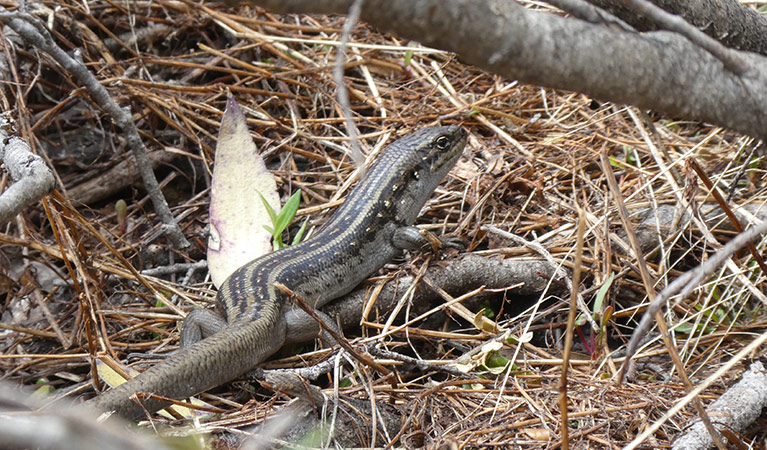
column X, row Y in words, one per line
column 533, row 155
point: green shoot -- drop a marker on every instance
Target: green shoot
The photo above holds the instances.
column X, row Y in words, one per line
column 300, row 235
column 602, row 294
column 281, row 221
column 408, row 58
column 121, row 208
column 598, row 303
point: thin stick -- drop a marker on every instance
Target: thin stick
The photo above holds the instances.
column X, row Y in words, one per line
column 301, row 303
column 570, row 327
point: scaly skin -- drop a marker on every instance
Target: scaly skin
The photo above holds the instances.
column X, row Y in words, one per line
column 357, row 241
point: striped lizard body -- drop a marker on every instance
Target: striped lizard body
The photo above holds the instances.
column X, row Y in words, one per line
column 254, row 320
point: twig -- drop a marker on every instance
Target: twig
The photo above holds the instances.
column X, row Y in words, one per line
column 25, row 425
column 743, row 166
column 301, row 303
column 115, row 178
column 342, row 92
column 311, row 372
column 538, row 248
column 649, row 285
column 690, row 280
column 752, row 347
column 33, row 178
column 420, row 364
column 727, row 210
column 570, row 327
column 174, row 268
column 731, row 60
column 590, row 13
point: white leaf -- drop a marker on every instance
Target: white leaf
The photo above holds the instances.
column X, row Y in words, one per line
column 237, row 215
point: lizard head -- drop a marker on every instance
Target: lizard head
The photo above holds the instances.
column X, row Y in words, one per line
column 416, row 164
column 438, row 148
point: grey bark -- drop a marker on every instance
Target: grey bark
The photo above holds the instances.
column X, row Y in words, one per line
column 734, row 411
column 458, row 277
column 116, row 178
column 728, row 21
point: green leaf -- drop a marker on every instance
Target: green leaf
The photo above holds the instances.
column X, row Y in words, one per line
column 687, row 328
column 313, row 438
column 269, row 210
column 283, row 219
column 683, row 328
column 602, row 294
column 630, row 155
column 481, row 322
column 608, row 313
column 121, row 209
column 524, row 339
column 160, row 300
column 496, row 360
column 408, row 58
column 300, row 235
column 615, row 162
column 42, row 391
column 287, row 213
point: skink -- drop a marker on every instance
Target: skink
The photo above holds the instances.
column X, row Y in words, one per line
column 253, row 320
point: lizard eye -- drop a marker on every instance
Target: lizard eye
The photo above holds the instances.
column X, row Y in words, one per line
column 443, row 142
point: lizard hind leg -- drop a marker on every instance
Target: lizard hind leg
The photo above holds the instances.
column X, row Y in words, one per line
column 200, row 324
column 301, row 327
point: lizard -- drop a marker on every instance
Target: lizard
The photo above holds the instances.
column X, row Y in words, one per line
column 253, row 319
